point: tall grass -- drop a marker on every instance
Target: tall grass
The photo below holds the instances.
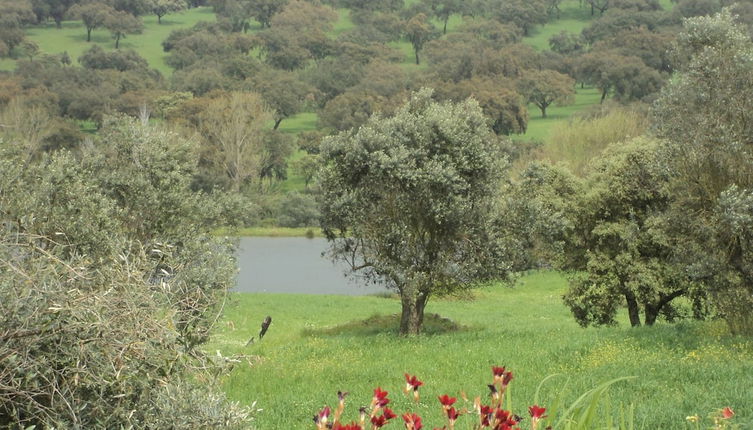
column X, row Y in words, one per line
column 578, row 141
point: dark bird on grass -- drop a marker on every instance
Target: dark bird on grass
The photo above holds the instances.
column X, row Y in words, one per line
column 265, row 326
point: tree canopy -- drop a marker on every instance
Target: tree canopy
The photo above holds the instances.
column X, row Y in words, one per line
column 408, row 200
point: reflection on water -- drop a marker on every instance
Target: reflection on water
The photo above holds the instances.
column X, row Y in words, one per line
column 293, row 265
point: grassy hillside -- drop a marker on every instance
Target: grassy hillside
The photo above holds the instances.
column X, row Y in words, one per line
column 318, row 345
column 72, row 37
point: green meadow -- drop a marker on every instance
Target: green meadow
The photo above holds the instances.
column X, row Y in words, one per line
column 71, row 37
column 319, row 345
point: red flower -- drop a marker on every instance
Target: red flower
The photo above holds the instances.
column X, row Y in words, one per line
column 321, row 418
column 501, row 375
column 389, row 414
column 351, row 426
column 380, row 398
column 452, row 415
column 498, row 371
column 727, row 413
column 536, row 412
column 379, row 421
column 412, row 421
column 447, row 401
column 412, row 383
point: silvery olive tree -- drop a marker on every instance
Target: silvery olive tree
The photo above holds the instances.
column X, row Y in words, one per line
column 411, row 200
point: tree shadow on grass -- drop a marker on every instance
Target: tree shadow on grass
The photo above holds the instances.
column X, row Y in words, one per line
column 434, row 324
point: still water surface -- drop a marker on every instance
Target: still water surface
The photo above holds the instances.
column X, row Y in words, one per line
column 293, row 265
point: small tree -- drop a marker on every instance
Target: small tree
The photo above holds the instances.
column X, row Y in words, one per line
column 419, row 30
column 121, row 23
column 545, row 87
column 409, row 201
column 93, row 15
column 164, row 7
column 233, row 130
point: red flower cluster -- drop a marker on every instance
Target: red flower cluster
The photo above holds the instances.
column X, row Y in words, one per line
column 491, row 416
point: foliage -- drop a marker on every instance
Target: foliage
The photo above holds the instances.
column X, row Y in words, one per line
column 298, row 210
column 706, row 124
column 232, row 127
column 545, row 87
column 409, row 200
column 622, row 243
column 122, row 23
column 112, row 285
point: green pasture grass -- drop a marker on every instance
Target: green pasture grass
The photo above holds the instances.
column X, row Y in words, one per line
column 318, row 345
column 343, row 23
column 293, row 182
column 573, row 19
column 539, row 128
column 304, row 121
column 271, row 232
column 72, row 37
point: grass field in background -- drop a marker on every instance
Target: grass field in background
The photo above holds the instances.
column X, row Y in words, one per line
column 318, row 345
column 72, row 37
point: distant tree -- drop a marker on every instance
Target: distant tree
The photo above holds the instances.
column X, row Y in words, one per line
column 491, row 30
column 304, row 16
column 566, row 43
column 553, row 7
column 283, row 91
column 97, row 58
column 306, row 167
column 523, row 13
column 374, row 5
column 601, row 5
column 232, row 127
column 55, row 9
column 650, row 46
column 164, row 7
column 351, row 109
column 13, row 17
column 419, row 30
column 628, row 77
column 134, row 7
column 264, row 10
column 545, row 87
column 616, row 20
column 503, row 105
column 121, row 23
column 235, row 12
column 276, row 150
column 30, row 49
column 92, row 14
column 409, row 201
column 443, row 9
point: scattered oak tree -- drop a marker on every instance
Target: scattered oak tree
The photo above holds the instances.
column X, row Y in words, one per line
column 410, row 201
column 93, row 15
column 545, row 87
column 121, row 23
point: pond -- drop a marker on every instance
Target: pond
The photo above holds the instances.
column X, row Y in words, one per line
column 293, row 265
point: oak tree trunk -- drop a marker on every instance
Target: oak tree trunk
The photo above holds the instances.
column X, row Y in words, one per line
column 413, row 313
column 633, row 310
